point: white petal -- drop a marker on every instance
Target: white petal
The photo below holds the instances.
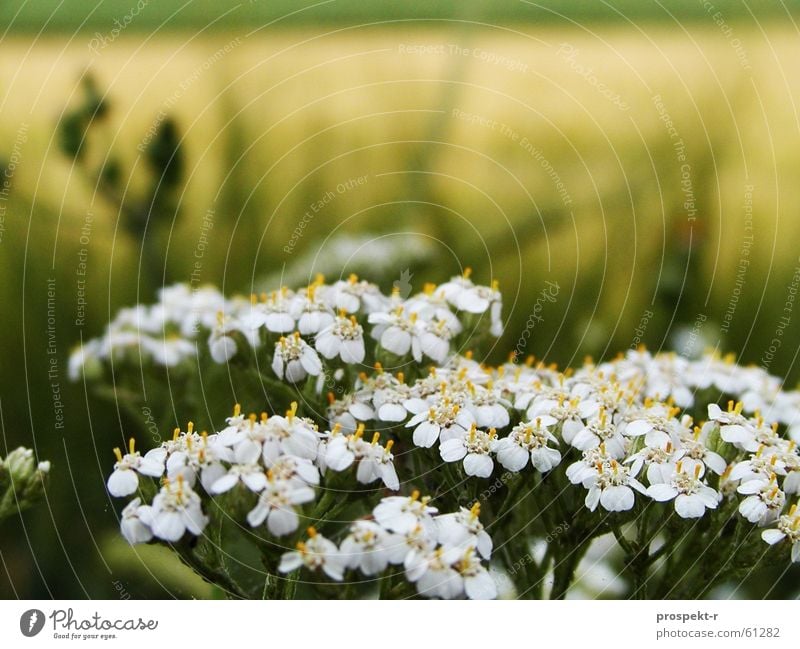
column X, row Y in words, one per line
column 638, row 427
column 282, row 521
column 689, row 506
column 452, row 450
column 478, row 465
column 773, row 536
column 662, row 492
column 425, row 434
column 225, row 483
column 123, row 482
column 480, row 586
column 617, row 499
column 290, row 561
column 169, row 526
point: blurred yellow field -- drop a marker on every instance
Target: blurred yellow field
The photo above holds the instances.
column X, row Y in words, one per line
column 643, row 177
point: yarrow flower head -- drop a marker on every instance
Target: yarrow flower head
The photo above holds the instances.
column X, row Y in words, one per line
column 439, row 419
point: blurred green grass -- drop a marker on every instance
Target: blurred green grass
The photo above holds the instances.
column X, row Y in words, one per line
column 283, row 118
column 167, row 15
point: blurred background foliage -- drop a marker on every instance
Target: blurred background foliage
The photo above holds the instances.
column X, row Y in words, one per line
column 481, row 138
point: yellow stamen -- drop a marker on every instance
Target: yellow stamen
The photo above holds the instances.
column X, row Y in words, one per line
column 475, row 510
column 376, row 438
column 292, row 411
column 175, row 434
column 312, row 532
column 237, row 410
column 389, row 445
column 132, row 446
column 190, row 427
column 118, row 453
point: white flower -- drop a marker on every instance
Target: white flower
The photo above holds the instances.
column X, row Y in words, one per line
column 445, row 421
column 464, row 529
column 733, row 426
column 695, row 450
column 434, row 574
column 390, row 401
column 125, row 479
column 692, row 497
column 316, row 553
column 353, row 295
column 368, row 547
column 660, row 462
column 474, row 448
column 312, row 314
column 295, row 470
column 488, row 408
column 251, row 476
column 466, row 296
column 168, row 351
column 601, row 430
column 221, row 345
column 448, row 573
column 375, row 462
column 400, row 514
column 349, row 410
column 478, row 583
column 612, row 486
column 528, row 441
column 764, row 500
column 788, row 528
column 190, row 454
column 276, row 505
column 398, row 333
column 571, row 412
column 294, row 359
column 435, row 340
column 177, row 509
column 272, row 312
column 136, row 521
column 656, row 421
column 290, row 435
column 344, row 338
column 760, row 466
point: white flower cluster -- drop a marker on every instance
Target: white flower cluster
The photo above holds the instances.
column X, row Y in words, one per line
column 442, row 554
column 621, row 430
column 613, row 414
column 271, row 457
column 297, row 327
